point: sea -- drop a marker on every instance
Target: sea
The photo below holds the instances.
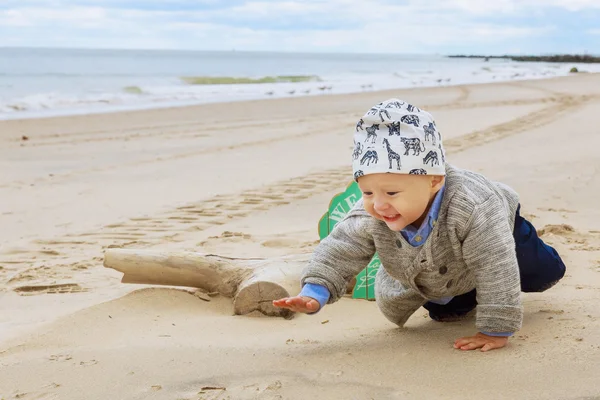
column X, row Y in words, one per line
column 40, row 82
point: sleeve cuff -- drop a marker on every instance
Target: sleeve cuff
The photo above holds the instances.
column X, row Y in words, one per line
column 499, row 318
column 498, row 333
column 317, row 292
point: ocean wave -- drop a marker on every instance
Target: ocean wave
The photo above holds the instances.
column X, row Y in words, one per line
column 133, row 90
column 230, row 80
column 78, row 75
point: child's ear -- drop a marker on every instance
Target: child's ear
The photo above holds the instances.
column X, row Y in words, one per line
column 437, row 181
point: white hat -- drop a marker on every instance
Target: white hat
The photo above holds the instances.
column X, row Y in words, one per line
column 396, row 137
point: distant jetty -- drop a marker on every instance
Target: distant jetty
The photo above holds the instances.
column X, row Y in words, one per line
column 558, row 58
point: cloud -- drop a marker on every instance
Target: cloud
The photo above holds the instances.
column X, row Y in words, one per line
column 78, row 16
column 418, row 26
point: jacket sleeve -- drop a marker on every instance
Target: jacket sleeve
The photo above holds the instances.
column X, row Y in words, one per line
column 341, row 255
column 489, row 251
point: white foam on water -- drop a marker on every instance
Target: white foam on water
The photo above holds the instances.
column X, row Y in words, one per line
column 24, row 95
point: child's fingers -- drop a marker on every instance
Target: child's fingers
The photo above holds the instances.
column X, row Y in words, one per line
column 297, row 304
column 488, row 347
column 477, row 342
column 468, row 343
column 471, row 346
column 305, row 303
column 282, row 303
column 296, row 301
column 291, row 303
column 461, row 342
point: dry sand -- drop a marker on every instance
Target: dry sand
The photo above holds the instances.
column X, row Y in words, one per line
column 252, row 179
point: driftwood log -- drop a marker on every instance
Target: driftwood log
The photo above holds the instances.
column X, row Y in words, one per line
column 252, row 283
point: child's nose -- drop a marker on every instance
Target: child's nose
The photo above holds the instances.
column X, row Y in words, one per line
column 380, row 205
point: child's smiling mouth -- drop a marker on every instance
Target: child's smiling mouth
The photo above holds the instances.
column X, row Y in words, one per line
column 390, row 218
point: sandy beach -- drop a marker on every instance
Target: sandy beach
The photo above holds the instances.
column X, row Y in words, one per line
column 247, row 180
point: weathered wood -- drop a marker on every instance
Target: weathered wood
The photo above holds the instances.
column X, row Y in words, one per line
column 253, row 283
column 211, row 273
column 270, row 280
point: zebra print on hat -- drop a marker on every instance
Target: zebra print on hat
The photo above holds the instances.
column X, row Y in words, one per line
column 397, row 137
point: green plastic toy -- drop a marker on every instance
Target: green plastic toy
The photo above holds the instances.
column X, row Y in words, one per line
column 339, row 206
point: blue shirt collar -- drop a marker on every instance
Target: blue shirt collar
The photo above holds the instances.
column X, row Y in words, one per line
column 430, row 220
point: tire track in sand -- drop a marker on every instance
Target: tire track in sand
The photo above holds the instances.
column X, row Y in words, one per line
column 532, row 120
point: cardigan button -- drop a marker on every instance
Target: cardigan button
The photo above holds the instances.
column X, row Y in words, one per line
column 443, row 270
column 399, row 243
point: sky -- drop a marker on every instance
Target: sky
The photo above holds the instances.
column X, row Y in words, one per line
column 345, row 26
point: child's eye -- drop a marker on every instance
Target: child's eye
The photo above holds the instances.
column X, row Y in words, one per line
column 392, row 193
column 367, row 193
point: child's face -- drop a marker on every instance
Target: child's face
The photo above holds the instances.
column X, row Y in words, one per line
column 398, row 200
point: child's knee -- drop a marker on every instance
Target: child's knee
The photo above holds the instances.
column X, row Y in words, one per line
column 396, row 302
column 540, row 265
column 547, row 272
column 396, row 315
column 396, row 306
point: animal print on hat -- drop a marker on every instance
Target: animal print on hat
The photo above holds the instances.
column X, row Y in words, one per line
column 397, row 137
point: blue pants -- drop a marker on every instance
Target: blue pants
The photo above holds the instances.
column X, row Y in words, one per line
column 540, row 268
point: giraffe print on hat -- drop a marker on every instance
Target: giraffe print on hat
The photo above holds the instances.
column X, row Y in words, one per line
column 402, row 133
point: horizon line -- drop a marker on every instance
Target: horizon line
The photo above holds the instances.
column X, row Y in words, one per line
column 338, row 52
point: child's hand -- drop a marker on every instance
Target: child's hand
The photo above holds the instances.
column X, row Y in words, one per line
column 482, row 341
column 300, row 304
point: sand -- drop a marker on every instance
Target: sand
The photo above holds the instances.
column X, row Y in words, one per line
column 182, row 178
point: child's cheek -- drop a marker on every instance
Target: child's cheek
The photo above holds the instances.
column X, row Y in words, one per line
column 399, row 205
column 368, row 204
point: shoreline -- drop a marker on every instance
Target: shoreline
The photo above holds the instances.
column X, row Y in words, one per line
column 141, row 108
